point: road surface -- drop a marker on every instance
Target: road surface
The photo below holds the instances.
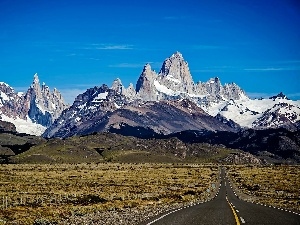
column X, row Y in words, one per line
column 226, row 209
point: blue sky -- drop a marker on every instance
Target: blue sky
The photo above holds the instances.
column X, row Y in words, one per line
column 75, row 45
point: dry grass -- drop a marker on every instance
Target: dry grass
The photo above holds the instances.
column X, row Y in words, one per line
column 54, row 192
column 275, row 185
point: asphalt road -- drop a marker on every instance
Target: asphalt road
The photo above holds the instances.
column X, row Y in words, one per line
column 226, row 209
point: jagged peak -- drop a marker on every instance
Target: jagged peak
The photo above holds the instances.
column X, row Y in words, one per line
column 146, row 78
column 279, row 96
column 130, row 85
column 174, row 64
column 117, row 85
column 36, row 82
column 4, row 87
column 147, row 67
column 232, row 83
column 4, row 84
column 118, row 80
column 147, row 71
column 36, row 78
column 55, row 90
column 177, row 54
column 45, row 87
column 214, row 80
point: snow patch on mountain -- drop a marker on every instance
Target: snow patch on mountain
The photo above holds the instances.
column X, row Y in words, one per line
column 171, row 78
column 41, row 108
column 4, row 84
column 117, row 106
column 4, row 97
column 163, row 89
column 100, row 97
column 196, row 96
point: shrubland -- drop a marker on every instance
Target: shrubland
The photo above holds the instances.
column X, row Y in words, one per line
column 34, row 192
column 277, row 186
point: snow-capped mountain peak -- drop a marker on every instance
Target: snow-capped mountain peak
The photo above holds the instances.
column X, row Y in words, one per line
column 177, row 54
column 174, row 81
column 175, row 68
column 5, row 92
column 37, row 108
column 279, row 96
column 4, row 84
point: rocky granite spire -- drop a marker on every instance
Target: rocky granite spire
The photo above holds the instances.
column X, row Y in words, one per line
column 33, row 111
column 175, row 81
column 44, row 106
column 130, row 92
column 175, row 74
column 117, row 86
column 233, row 91
column 36, row 84
column 145, row 84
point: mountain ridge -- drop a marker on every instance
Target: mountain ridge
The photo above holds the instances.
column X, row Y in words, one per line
column 101, row 108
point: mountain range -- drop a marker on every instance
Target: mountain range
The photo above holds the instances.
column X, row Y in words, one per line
column 31, row 112
column 170, row 101
column 165, row 102
column 162, row 107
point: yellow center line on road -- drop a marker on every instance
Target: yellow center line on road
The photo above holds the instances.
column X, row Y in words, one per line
column 234, row 213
